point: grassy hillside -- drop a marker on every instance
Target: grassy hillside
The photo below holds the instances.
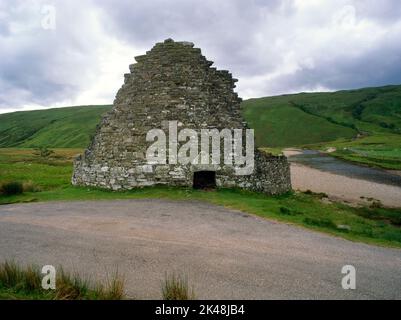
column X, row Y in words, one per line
column 363, row 125
column 279, row 124
column 315, row 120
column 306, row 118
column 62, row 127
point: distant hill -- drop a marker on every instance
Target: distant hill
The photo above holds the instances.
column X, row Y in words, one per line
column 69, row 127
column 280, row 121
column 306, row 118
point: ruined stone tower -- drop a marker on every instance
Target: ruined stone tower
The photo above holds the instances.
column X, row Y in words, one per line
column 172, row 82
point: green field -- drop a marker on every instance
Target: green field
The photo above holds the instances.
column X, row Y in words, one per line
column 62, row 127
column 364, row 124
column 341, row 114
column 283, row 125
column 49, row 180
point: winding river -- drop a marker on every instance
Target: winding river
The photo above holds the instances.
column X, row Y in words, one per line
column 325, row 162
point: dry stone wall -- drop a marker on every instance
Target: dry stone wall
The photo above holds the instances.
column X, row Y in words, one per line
column 172, row 82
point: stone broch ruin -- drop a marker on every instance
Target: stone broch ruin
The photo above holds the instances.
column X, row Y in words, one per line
column 173, row 81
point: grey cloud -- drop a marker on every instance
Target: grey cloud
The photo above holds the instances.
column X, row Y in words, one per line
column 50, row 65
column 385, row 11
column 224, row 29
column 250, row 38
column 377, row 67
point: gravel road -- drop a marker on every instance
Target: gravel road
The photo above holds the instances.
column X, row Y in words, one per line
column 226, row 254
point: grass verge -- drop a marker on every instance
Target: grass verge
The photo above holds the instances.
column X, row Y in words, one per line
column 175, row 287
column 25, row 283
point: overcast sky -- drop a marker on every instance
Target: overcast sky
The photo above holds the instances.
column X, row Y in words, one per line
column 79, row 55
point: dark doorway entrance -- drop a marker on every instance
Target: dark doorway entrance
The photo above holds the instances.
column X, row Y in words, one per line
column 204, row 179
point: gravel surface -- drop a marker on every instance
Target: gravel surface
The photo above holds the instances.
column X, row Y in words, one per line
column 342, row 187
column 226, row 254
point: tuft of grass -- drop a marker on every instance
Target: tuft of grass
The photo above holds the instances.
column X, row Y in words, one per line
column 383, row 215
column 43, row 152
column 12, row 275
column 323, row 222
column 115, row 289
column 376, row 204
column 12, row 188
column 29, row 186
column 175, row 287
column 319, row 195
column 289, row 212
column 70, row 287
column 18, row 282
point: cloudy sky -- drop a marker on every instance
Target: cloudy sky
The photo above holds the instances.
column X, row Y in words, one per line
column 75, row 52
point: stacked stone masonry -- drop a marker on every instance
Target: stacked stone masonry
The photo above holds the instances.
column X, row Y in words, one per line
column 172, row 82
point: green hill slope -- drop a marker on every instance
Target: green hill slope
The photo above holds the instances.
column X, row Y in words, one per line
column 62, row 127
column 279, row 124
column 281, row 121
column 305, row 118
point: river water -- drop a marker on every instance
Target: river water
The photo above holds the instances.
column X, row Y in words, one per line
column 325, row 162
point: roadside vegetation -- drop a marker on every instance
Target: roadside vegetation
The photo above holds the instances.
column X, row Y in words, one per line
column 25, row 283
column 176, row 287
column 49, row 180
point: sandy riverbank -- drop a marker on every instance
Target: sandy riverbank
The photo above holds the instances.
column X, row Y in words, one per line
column 397, row 172
column 341, row 187
column 291, row 152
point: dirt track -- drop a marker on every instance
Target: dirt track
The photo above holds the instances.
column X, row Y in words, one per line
column 226, row 254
